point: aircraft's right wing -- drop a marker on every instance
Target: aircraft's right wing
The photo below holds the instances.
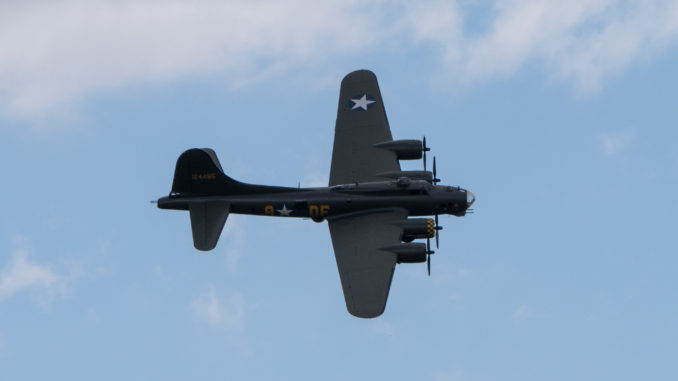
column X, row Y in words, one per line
column 365, row 270
column 361, row 123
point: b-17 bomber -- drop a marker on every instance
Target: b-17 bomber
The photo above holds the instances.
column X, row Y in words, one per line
column 371, row 205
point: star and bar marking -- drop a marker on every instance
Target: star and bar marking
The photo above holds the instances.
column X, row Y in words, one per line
column 363, row 102
column 284, row 211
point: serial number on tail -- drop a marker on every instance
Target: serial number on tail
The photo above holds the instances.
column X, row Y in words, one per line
column 203, row 176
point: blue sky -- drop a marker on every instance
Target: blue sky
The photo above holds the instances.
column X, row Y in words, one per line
column 559, row 116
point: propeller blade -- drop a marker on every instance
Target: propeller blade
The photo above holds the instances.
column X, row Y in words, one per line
column 435, row 174
column 424, row 149
column 438, row 228
column 428, row 255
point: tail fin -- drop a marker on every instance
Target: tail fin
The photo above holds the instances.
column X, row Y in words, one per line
column 198, row 173
column 197, row 178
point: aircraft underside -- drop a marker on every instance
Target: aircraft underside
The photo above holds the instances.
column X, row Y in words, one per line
column 368, row 204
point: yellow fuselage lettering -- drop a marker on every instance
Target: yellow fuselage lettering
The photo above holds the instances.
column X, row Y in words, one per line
column 318, row 210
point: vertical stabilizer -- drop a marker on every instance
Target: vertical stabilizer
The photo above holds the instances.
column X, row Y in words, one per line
column 201, row 187
column 198, row 173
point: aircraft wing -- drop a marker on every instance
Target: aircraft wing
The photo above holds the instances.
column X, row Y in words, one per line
column 365, row 270
column 361, row 123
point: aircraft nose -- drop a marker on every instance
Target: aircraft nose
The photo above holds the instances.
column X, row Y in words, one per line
column 470, row 198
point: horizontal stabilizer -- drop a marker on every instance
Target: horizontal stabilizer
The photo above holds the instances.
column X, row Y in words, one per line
column 207, row 221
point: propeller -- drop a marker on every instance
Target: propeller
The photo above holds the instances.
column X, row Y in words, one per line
column 424, row 150
column 435, row 178
column 428, row 255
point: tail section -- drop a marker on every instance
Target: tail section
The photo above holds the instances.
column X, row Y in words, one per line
column 198, row 173
column 201, row 187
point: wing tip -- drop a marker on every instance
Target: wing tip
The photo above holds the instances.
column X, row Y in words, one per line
column 361, row 75
column 366, row 314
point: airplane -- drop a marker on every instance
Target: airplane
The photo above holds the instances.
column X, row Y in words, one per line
column 367, row 204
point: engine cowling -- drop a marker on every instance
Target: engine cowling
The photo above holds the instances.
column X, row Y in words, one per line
column 404, row 149
column 414, row 228
column 409, row 252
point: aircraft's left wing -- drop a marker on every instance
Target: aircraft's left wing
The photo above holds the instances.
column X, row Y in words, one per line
column 361, row 123
column 366, row 271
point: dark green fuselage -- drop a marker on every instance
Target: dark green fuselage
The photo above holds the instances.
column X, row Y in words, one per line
column 419, row 198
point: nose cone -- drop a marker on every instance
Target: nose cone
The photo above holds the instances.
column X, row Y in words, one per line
column 470, row 198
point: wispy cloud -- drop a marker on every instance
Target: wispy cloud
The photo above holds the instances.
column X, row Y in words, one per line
column 233, row 240
column 225, row 313
column 21, row 275
column 611, row 144
column 586, row 41
column 315, row 180
column 453, row 375
column 384, row 328
column 524, row 312
column 54, row 54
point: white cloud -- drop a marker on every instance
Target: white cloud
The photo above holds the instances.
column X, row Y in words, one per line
column 55, row 54
column 21, row 275
column 581, row 40
column 52, row 53
column 611, row 144
column 226, row 314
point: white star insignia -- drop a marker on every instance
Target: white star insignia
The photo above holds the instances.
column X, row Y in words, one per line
column 361, row 103
column 284, row 211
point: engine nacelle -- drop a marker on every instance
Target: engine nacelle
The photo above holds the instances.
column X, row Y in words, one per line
column 414, row 228
column 404, row 149
column 409, row 252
